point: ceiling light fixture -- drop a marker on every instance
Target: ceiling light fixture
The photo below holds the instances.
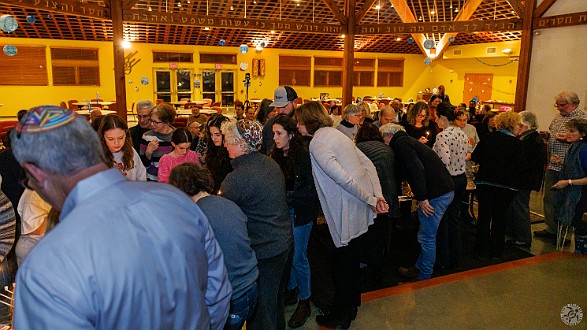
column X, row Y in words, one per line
column 378, row 7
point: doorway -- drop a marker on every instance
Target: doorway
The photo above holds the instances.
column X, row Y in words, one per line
column 172, row 85
column 478, row 85
column 218, row 85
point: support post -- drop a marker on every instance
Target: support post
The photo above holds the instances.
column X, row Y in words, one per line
column 117, row 39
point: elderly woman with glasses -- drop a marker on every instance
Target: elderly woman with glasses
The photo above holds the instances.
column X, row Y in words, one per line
column 419, row 126
column 257, row 186
column 157, row 141
column 350, row 124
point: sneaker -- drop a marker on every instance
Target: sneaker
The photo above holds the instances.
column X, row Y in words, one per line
column 544, row 234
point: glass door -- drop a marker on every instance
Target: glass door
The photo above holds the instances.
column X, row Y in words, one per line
column 172, row 85
column 218, row 86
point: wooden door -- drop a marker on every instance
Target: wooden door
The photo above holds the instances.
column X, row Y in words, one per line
column 477, row 85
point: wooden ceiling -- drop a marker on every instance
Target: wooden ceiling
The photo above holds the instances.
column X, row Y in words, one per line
column 60, row 25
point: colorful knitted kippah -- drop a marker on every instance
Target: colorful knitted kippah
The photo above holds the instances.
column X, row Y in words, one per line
column 251, row 131
column 44, row 118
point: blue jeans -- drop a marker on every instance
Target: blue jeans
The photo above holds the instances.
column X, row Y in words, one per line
column 300, row 267
column 241, row 309
column 427, row 234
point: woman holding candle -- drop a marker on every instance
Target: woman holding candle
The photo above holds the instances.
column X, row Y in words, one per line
column 419, row 126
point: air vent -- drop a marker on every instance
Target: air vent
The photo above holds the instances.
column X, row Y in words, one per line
column 491, row 50
column 457, row 52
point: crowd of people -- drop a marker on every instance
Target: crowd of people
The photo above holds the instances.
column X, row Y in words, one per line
column 229, row 246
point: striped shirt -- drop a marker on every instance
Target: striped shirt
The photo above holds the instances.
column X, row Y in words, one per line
column 556, row 147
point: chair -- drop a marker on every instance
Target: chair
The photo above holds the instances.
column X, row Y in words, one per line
column 63, row 105
column 71, row 105
column 131, row 111
column 97, row 105
column 298, row 101
column 159, row 101
column 113, row 107
column 216, row 104
column 306, row 100
column 208, row 102
column 217, row 109
column 180, row 122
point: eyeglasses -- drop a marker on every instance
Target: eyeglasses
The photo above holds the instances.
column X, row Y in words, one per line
column 560, row 105
column 154, row 122
column 25, row 181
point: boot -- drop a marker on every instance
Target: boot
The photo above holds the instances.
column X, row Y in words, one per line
column 290, row 297
column 301, row 314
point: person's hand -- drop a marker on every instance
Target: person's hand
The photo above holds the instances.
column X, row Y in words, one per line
column 561, row 184
column 554, row 159
column 151, row 147
column 468, row 157
column 423, row 139
column 426, row 208
column 382, row 206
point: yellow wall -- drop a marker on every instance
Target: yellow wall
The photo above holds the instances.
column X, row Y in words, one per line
column 417, row 76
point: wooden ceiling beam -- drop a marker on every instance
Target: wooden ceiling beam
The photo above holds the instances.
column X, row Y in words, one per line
column 339, row 15
column 364, row 10
column 517, row 7
column 560, row 20
column 441, row 27
column 128, row 4
column 403, row 10
column 69, row 7
column 464, row 14
column 143, row 16
column 543, row 8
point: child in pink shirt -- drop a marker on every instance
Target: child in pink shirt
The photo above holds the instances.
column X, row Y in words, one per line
column 181, row 140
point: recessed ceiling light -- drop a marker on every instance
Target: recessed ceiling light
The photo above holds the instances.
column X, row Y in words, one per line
column 432, row 12
column 206, row 29
column 378, row 7
column 398, row 39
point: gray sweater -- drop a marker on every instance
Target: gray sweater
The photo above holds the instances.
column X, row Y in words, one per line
column 257, row 186
column 230, row 228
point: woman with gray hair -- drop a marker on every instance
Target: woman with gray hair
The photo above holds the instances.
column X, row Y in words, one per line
column 352, row 118
column 257, row 186
column 518, row 216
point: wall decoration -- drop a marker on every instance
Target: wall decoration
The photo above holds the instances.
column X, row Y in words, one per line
column 427, row 61
column 31, row 19
column 222, row 42
column 429, row 44
column 137, row 89
column 8, row 23
column 244, row 49
column 258, row 67
column 244, row 66
column 130, row 62
column 173, row 65
column 10, row 50
column 197, row 83
column 130, row 81
column 144, row 80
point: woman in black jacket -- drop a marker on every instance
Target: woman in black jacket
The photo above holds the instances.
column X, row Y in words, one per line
column 534, row 149
column 500, row 160
column 293, row 157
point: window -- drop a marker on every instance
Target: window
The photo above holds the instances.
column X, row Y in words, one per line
column 167, row 57
column 390, row 73
column 27, row 68
column 75, row 66
column 364, row 72
column 295, row 70
column 327, row 71
column 218, row 58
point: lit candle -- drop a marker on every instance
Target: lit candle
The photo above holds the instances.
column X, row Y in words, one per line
column 427, row 133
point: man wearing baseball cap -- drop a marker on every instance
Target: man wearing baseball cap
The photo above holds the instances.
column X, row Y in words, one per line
column 284, row 100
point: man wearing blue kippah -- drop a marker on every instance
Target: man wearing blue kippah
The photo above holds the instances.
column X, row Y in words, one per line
column 125, row 255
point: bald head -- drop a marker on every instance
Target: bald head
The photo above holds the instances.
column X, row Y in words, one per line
column 386, row 115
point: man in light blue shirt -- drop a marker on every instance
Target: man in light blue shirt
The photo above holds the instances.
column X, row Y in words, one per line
column 125, row 255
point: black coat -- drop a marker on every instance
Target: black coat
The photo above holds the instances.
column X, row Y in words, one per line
column 500, row 160
column 534, row 150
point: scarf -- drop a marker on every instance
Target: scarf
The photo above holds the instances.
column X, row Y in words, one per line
column 568, row 197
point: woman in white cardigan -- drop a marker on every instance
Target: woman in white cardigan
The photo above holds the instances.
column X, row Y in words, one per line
column 350, row 196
